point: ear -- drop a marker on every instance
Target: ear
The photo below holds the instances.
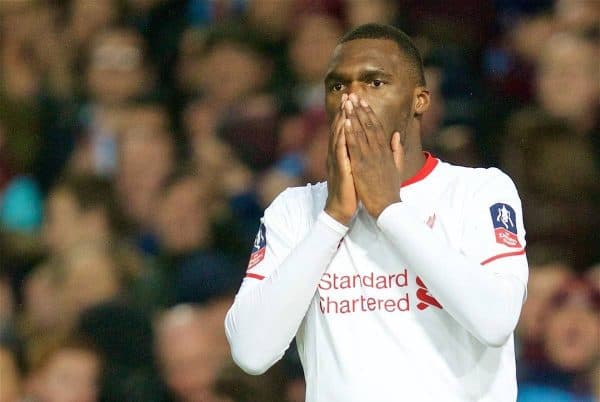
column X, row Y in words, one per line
column 422, row 100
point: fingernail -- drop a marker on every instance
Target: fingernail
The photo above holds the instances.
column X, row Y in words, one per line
column 364, row 103
column 354, row 99
column 344, row 97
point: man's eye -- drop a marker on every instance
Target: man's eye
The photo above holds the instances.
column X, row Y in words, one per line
column 377, row 83
column 337, row 87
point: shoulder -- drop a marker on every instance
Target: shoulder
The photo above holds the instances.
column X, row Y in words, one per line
column 475, row 180
column 298, row 202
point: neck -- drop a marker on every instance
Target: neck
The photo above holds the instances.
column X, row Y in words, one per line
column 413, row 157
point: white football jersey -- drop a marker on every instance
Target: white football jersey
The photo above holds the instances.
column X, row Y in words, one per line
column 374, row 331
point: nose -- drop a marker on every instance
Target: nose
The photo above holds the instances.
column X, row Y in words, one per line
column 356, row 88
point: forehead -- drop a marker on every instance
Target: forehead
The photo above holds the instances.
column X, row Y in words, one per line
column 359, row 54
column 117, row 38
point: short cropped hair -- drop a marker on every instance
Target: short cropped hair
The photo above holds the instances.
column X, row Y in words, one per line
column 93, row 192
column 405, row 44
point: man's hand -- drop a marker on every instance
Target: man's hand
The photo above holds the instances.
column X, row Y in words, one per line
column 341, row 200
column 375, row 161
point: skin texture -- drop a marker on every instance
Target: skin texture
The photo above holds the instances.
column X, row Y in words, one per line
column 374, row 105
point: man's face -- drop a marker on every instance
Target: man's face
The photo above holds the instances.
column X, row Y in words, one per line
column 116, row 71
column 183, row 218
column 191, row 355
column 71, row 376
column 567, row 62
column 375, row 70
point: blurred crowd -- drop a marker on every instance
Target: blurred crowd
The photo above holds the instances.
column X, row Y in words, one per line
column 140, row 141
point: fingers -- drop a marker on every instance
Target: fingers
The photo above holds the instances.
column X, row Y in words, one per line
column 341, row 153
column 364, row 122
column 335, row 160
column 370, row 123
column 356, row 137
column 352, row 108
column 337, row 126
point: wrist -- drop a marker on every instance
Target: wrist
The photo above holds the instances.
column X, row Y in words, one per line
column 344, row 219
column 379, row 210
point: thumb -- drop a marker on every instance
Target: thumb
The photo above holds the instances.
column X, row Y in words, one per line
column 397, row 150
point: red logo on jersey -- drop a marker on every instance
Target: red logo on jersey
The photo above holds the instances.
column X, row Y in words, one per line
column 425, row 298
column 507, row 238
column 430, row 221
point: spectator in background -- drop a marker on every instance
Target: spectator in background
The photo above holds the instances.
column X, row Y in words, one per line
column 558, row 184
column 68, row 371
column 570, row 346
column 65, row 51
column 82, row 211
column 124, row 336
column 85, row 19
column 24, row 24
column 196, row 271
column 545, row 280
column 57, row 292
column 558, row 179
column 212, row 155
column 88, row 274
column 192, row 350
column 146, row 157
column 227, row 65
column 272, row 22
column 570, row 61
column 313, row 39
column 116, row 73
column 79, row 209
column 231, row 179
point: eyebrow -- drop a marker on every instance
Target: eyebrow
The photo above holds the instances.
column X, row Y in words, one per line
column 364, row 75
column 334, row 76
column 369, row 74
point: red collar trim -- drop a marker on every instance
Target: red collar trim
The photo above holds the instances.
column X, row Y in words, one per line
column 430, row 163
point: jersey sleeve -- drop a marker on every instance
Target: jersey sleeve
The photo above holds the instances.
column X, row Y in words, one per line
column 276, row 236
column 494, row 234
column 292, row 250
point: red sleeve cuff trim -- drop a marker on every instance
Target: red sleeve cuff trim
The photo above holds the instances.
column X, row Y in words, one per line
column 511, row 254
column 255, row 276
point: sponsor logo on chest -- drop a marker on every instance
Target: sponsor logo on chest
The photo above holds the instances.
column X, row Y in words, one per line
column 342, row 293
